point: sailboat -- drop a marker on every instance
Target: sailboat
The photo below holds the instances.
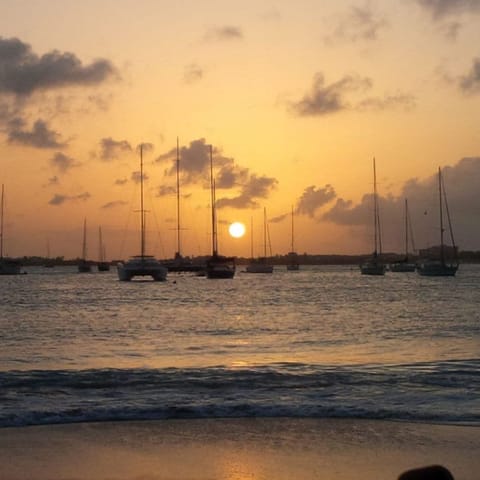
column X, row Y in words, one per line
column 260, row 265
column 180, row 263
column 438, row 267
column 102, row 264
column 404, row 265
column 374, row 265
column 292, row 257
column 217, row 266
column 8, row 266
column 83, row 265
column 141, row 265
column 49, row 262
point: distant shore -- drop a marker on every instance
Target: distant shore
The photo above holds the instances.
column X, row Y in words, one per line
column 270, row 448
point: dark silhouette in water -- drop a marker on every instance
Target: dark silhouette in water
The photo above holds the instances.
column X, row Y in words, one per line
column 432, row 472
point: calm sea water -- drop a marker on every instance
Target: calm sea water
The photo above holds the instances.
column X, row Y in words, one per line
column 321, row 342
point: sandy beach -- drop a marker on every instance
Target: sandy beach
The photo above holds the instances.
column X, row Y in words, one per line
column 279, row 449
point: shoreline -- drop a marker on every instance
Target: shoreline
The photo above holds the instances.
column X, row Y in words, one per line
column 253, row 448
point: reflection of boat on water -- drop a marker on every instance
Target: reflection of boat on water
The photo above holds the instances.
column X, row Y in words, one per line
column 180, row 263
column 260, row 264
column 438, row 267
column 405, row 265
column 292, row 256
column 141, row 265
column 217, row 266
column 83, row 265
column 374, row 265
column 8, row 266
column 102, row 264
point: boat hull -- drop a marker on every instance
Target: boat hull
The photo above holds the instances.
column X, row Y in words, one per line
column 84, row 267
column 220, row 267
column 141, row 267
column 103, row 266
column 373, row 268
column 437, row 269
column 10, row 267
column 402, row 267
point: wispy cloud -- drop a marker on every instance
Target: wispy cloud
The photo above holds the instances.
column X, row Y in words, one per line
column 193, row 73
column 40, row 136
column 63, row 163
column 61, row 199
column 111, row 149
column 114, row 204
column 223, row 33
column 439, row 9
column 470, row 82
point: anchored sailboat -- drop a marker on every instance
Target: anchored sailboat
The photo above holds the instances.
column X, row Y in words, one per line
column 438, row 267
column 292, row 256
column 83, row 265
column 8, row 266
column 374, row 266
column 102, row 264
column 217, row 266
column 405, row 265
column 260, row 265
column 141, row 265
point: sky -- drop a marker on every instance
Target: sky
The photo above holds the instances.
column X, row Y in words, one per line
column 296, row 99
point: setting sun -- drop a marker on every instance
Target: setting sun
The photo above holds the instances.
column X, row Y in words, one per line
column 236, row 230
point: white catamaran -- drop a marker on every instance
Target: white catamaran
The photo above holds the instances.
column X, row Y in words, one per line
column 141, row 265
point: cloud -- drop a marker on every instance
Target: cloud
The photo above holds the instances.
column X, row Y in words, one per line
column 360, row 23
column 279, row 218
column 461, row 182
column 256, row 188
column 470, row 83
column 224, row 33
column 52, row 181
column 24, row 72
column 112, row 149
column 137, row 177
column 327, row 99
column 439, row 9
column 387, row 102
column 314, row 198
column 63, row 163
column 61, row 199
column 41, row 136
column 114, row 204
column 164, row 190
column 121, row 181
column 193, row 73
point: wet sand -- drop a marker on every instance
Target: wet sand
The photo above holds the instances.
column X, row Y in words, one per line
column 266, row 449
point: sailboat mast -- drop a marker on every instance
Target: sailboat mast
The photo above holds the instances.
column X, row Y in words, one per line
column 84, row 245
column 264, row 232
column 1, row 227
column 292, row 231
column 100, row 245
column 212, row 193
column 442, row 253
column 375, row 215
column 406, row 229
column 251, row 237
column 142, row 211
column 178, row 199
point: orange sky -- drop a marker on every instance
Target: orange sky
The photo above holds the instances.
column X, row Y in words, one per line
column 296, row 98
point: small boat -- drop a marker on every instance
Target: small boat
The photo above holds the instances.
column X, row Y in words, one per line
column 8, row 266
column 83, row 265
column 374, row 265
column 292, row 256
column 217, row 266
column 404, row 265
column 439, row 267
column 141, row 265
column 102, row 264
column 260, row 264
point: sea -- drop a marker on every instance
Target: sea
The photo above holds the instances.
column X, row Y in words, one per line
column 323, row 342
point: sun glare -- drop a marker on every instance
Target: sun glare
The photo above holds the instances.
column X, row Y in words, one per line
column 236, row 230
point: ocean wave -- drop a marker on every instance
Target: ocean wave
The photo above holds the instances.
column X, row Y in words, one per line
column 444, row 392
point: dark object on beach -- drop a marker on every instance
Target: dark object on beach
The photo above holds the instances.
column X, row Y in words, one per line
column 433, row 472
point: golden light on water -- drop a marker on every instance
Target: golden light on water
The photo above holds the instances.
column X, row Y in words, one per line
column 236, row 230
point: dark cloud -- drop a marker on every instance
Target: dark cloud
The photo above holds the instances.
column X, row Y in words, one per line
column 137, row 177
column 61, row 199
column 360, row 23
column 23, row 72
column 461, row 182
column 193, row 73
column 440, row 9
column 41, row 136
column 470, row 83
column 225, row 33
column 111, row 149
column 146, row 147
column 327, row 99
column 165, row 190
column 63, row 163
column 256, row 188
column 314, row 198
column 114, row 204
